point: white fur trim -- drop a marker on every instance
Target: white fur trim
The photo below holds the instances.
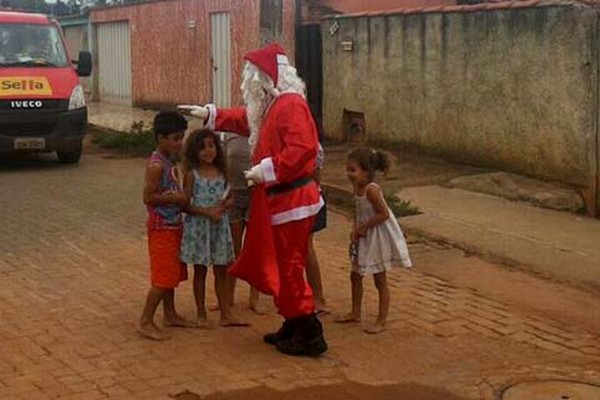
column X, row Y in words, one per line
column 268, row 170
column 298, row 213
column 212, row 117
column 282, row 60
column 282, row 63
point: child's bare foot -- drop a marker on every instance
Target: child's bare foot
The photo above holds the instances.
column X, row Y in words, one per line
column 348, row 319
column 232, row 322
column 151, row 331
column 376, row 328
column 322, row 308
column 178, row 322
column 256, row 309
column 215, row 307
column 204, row 323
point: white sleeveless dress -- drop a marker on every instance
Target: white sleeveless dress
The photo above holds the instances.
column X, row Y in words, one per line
column 383, row 246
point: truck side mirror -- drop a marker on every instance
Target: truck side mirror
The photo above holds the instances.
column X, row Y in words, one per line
column 84, row 64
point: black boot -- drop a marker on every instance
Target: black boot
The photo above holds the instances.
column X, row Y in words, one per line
column 307, row 340
column 284, row 333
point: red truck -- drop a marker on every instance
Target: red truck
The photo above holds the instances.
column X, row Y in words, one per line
column 42, row 104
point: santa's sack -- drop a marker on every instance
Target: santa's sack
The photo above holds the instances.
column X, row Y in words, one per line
column 257, row 262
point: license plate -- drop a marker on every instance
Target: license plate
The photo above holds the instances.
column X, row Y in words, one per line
column 30, row 144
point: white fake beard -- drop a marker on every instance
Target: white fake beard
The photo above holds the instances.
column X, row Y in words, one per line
column 257, row 101
column 259, row 92
column 256, row 106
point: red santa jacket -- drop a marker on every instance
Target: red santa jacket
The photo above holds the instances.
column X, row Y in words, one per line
column 286, row 150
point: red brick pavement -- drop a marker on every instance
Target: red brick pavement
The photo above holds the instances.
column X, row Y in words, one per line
column 73, row 272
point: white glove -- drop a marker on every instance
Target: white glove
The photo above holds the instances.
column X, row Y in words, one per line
column 255, row 174
column 200, row 112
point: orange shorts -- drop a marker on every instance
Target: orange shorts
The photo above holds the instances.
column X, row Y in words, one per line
column 166, row 270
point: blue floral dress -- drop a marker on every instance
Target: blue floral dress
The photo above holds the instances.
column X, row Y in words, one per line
column 207, row 242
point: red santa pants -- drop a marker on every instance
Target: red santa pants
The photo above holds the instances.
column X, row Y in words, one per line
column 291, row 247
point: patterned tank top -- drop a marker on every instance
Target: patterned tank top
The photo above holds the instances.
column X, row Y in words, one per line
column 165, row 216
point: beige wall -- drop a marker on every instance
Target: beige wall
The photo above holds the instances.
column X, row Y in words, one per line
column 511, row 89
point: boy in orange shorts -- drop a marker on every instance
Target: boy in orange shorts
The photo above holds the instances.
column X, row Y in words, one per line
column 164, row 199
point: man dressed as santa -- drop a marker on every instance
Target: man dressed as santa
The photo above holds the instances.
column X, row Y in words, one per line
column 284, row 143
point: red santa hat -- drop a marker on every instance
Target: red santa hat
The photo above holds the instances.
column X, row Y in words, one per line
column 268, row 59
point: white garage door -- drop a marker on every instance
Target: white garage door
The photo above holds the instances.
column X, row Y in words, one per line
column 221, row 58
column 114, row 62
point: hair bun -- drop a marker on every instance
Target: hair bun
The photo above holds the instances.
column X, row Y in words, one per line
column 381, row 161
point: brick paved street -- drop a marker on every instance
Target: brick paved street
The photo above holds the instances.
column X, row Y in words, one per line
column 73, row 272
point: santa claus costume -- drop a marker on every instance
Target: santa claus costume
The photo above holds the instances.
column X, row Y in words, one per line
column 284, row 143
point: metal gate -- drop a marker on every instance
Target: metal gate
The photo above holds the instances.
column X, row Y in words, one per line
column 114, row 62
column 309, row 62
column 221, row 58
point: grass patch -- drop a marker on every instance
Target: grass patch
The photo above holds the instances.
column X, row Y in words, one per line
column 400, row 208
column 137, row 141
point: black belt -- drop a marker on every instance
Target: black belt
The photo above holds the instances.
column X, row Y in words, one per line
column 286, row 187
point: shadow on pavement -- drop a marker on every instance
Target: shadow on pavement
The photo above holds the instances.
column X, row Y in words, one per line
column 29, row 162
column 343, row 391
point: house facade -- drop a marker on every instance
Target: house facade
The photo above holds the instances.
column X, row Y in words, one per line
column 160, row 53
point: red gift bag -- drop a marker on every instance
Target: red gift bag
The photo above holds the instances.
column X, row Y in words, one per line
column 257, row 262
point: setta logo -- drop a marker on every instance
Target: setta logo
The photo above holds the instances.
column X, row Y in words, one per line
column 24, row 85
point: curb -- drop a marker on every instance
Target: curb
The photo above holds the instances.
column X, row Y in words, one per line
column 103, row 129
column 339, row 195
column 334, row 192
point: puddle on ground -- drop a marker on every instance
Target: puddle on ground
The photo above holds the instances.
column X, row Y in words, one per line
column 552, row 390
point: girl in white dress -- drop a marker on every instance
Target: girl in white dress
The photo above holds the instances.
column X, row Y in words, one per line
column 377, row 242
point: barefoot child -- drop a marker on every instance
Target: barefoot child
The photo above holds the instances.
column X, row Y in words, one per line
column 164, row 199
column 206, row 234
column 313, row 269
column 238, row 161
column 377, row 243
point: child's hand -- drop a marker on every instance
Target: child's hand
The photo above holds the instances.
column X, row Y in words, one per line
column 212, row 213
column 179, row 197
column 357, row 233
column 354, row 236
column 220, row 211
column 361, row 231
column 216, row 213
column 228, row 203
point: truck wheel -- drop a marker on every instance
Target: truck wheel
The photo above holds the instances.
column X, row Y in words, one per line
column 70, row 156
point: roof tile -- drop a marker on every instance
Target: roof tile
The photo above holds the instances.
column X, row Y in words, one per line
column 490, row 5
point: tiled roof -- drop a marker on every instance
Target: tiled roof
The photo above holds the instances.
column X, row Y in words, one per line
column 490, row 5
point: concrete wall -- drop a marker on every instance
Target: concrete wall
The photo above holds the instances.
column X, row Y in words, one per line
column 171, row 61
column 511, row 89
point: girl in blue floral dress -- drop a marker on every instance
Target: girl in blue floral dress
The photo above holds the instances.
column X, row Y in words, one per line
column 206, row 234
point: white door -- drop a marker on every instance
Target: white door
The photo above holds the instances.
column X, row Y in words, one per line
column 114, row 62
column 77, row 40
column 221, row 58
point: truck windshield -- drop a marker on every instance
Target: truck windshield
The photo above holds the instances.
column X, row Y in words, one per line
column 23, row 45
